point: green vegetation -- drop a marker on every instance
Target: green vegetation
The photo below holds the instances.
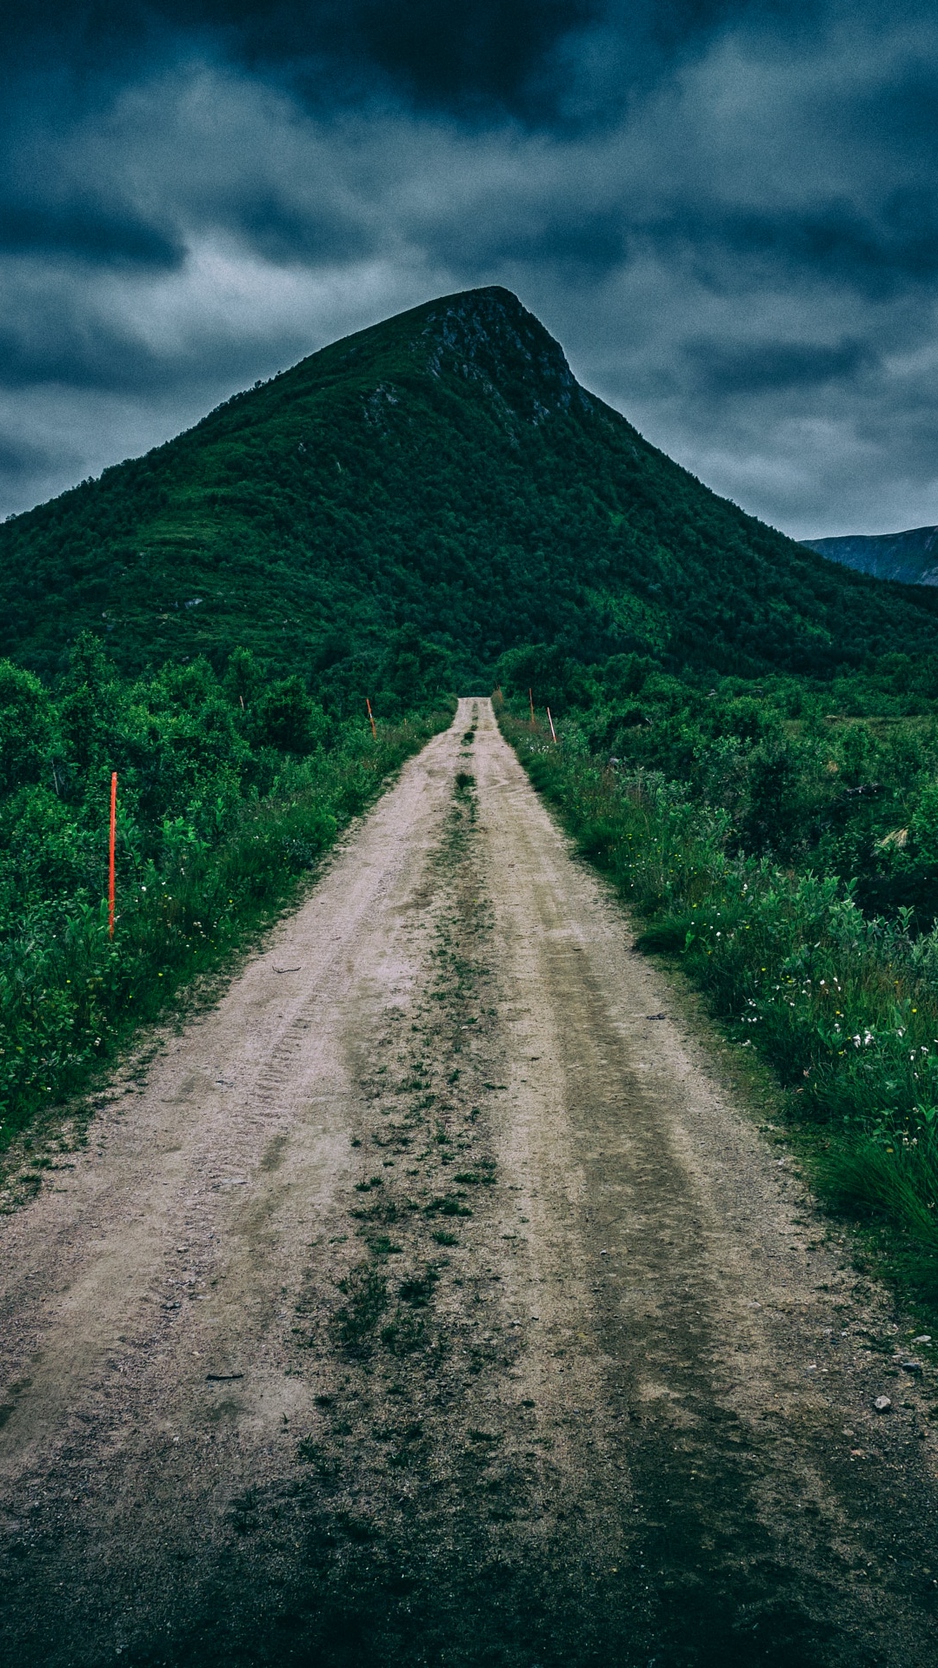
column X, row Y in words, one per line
column 425, row 504
column 782, row 841
column 230, row 789
column 443, row 476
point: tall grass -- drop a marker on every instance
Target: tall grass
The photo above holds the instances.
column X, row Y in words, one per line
column 843, row 1008
column 70, row 995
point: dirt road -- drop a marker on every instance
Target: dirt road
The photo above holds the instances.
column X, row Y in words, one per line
column 431, row 1302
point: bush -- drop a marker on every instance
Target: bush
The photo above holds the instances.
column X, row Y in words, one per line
column 25, row 726
column 221, row 812
column 843, row 1006
column 287, row 718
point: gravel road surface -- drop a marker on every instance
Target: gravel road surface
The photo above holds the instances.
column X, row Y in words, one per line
column 432, row 1301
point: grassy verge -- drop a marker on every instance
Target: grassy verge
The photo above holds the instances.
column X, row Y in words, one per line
column 70, row 996
column 842, row 1007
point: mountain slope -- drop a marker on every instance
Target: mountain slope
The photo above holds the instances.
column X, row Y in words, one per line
column 911, row 557
column 444, row 472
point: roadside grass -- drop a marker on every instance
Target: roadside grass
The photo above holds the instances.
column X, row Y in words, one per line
column 366, row 1293
column 71, row 997
column 842, row 1007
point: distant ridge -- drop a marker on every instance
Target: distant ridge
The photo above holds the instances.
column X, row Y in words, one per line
column 911, row 558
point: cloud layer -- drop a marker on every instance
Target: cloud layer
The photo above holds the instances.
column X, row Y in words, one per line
column 728, row 213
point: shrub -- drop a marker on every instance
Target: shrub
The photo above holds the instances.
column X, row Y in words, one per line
column 843, row 1006
column 220, row 816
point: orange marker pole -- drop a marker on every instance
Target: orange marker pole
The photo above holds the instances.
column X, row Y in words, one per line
column 110, row 868
column 531, row 703
column 371, row 719
column 551, row 723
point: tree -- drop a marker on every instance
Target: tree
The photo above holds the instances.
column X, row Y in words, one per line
column 26, row 726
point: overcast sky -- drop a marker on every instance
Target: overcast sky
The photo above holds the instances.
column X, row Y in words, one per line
column 726, row 212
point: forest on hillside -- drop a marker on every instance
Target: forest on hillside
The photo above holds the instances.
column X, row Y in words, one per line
column 441, row 474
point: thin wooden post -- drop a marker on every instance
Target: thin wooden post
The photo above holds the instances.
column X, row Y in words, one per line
column 531, row 703
column 371, row 719
column 110, row 866
column 551, row 723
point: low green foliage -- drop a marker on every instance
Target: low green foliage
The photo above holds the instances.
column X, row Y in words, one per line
column 225, row 803
column 366, row 1299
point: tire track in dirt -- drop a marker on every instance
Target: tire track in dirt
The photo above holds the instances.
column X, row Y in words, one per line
column 431, row 1303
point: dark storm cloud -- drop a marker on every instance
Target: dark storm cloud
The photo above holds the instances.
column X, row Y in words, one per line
column 727, row 210
column 586, row 241
column 54, row 340
column 283, row 232
column 485, row 54
column 720, row 368
column 85, row 232
column 17, row 456
column 477, row 55
column 543, row 61
column 877, row 247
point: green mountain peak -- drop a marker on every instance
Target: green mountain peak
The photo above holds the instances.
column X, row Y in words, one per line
column 440, row 473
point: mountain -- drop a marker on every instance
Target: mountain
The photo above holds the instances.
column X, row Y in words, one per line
column 911, row 558
column 440, row 479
